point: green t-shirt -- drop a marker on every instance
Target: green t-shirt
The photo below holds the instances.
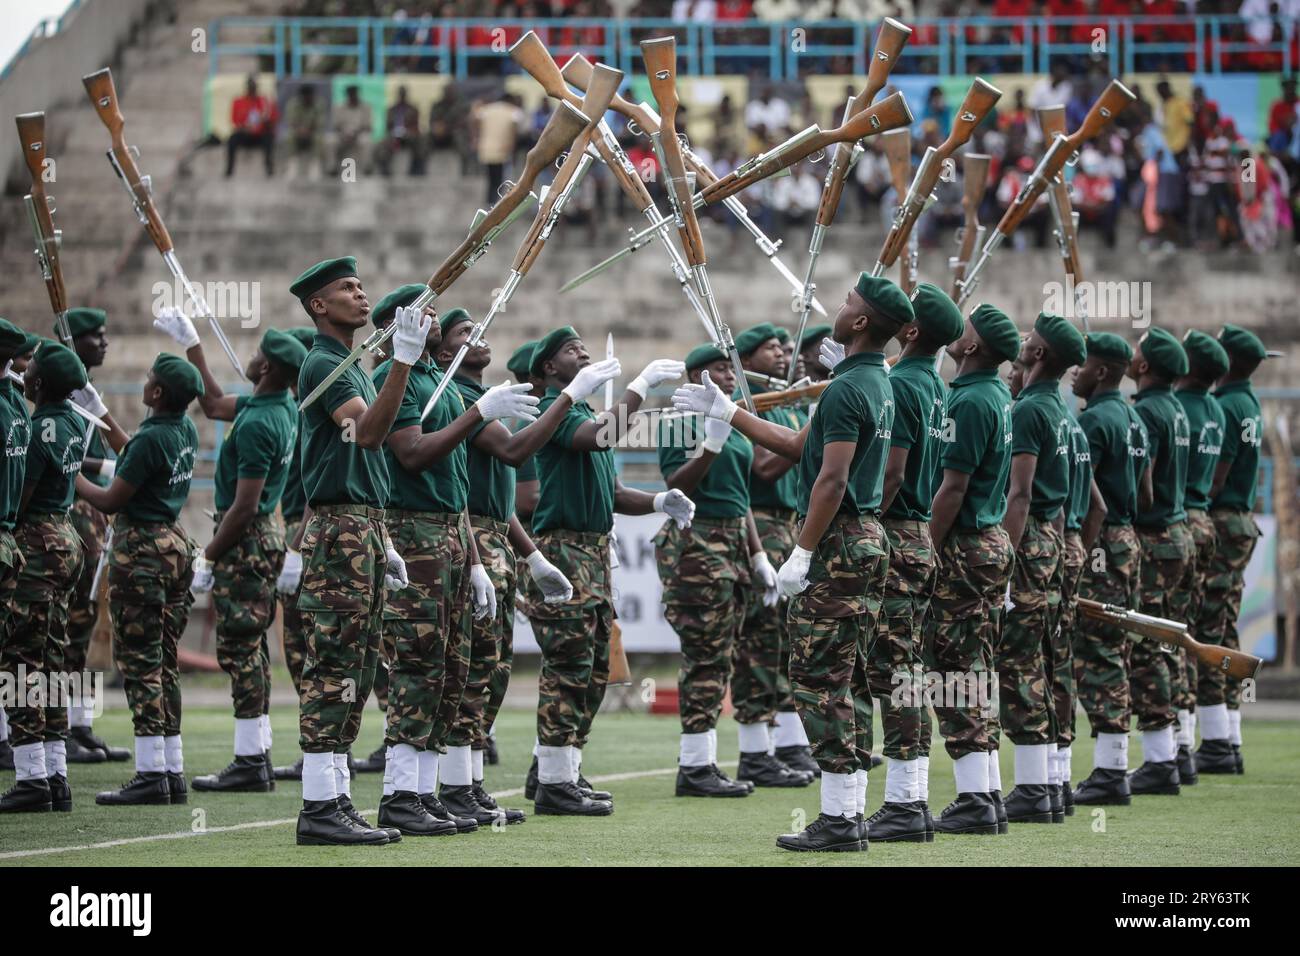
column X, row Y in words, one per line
column 54, row 456
column 1080, row 476
column 723, row 492
column 784, row 492
column 444, row 485
column 1243, row 434
column 919, row 400
column 1117, row 445
column 1040, row 425
column 293, row 500
column 1205, row 425
column 977, row 442
column 259, row 443
column 159, row 461
column 527, row 471
column 17, row 424
column 335, row 469
column 857, row 406
column 491, row 480
column 97, row 447
column 576, row 488
column 1168, row 441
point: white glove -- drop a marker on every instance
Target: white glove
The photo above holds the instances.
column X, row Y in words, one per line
column 507, row 401
column 704, row 399
column 201, row 583
column 793, row 576
column 656, row 373
column 411, row 335
column 89, row 399
column 485, row 596
column 176, row 324
column 831, row 353
column 555, row 587
column 613, row 549
column 107, row 468
column 675, row 505
column 716, row 433
column 395, row 574
column 762, row 569
column 1008, row 605
column 591, row 378
column 290, row 572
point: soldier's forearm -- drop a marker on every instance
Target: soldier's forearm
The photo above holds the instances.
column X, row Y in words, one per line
column 519, row 539
column 374, row 423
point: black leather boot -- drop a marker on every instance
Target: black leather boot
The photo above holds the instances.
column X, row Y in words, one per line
column 568, row 800
column 322, row 823
column 705, row 781
column 530, row 781
column 439, row 812
column 764, row 770
column 60, row 793
column 826, row 834
column 76, row 753
column 291, row 772
column 7, row 755
column 270, row 768
column 1216, row 756
column 1067, row 798
column 487, row 803
column 144, row 789
column 27, row 796
column 799, row 757
column 490, row 755
column 1155, row 779
column 1103, row 788
column 929, row 820
column 1004, row 825
column 86, row 738
column 969, row 813
column 1028, row 803
column 1187, row 775
column 374, row 763
column 176, row 787
column 747, row 784
column 897, row 823
column 591, row 793
column 460, row 802
column 242, row 775
column 406, row 813
column 360, row 822
column 1239, row 765
column 1058, row 802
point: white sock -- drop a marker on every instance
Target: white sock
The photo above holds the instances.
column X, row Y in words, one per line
column 1031, row 763
column 149, row 756
column 694, row 750
column 56, row 758
column 1110, row 752
column 1158, row 745
column 430, row 762
column 4, row 725
column 455, row 767
column 995, row 772
column 1234, row 727
column 554, row 765
column 388, row 773
column 972, row 772
column 1214, row 722
column 266, row 731
column 753, row 738
column 342, row 779
column 318, row 781
column 713, row 745
column 575, row 760
column 1064, row 763
column 492, row 731
column 1182, row 726
column 923, row 777
column 404, row 765
column 173, row 754
column 1053, row 767
column 860, row 785
column 839, row 794
column 248, row 736
column 1191, row 728
column 789, row 730
column 536, row 745
column 902, row 780
column 29, row 762
column 476, row 764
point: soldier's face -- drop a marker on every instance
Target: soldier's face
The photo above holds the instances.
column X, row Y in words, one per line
column 345, row 302
column 842, row 328
column 152, row 391
column 1016, row 377
column 964, row 345
column 31, row 375
column 1138, row 365
column 720, row 373
column 479, row 357
column 1031, row 350
column 21, row 362
column 91, row 348
column 768, row 358
column 256, row 367
column 570, row 357
column 434, row 338
column 1084, row 378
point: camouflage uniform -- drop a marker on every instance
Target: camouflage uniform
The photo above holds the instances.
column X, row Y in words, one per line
column 91, row 526
column 1065, row 694
column 492, row 641
column 15, row 433
column 895, row 655
column 243, row 594
column 1022, row 658
column 1188, row 601
column 292, row 625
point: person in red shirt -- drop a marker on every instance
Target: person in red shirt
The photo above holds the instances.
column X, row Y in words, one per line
column 253, row 117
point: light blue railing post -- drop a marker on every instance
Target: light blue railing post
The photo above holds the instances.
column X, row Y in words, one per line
column 1112, row 45
column 462, row 54
column 1128, row 46
column 280, row 44
column 363, row 46
column 860, row 40
column 774, row 51
column 295, row 39
column 1215, row 39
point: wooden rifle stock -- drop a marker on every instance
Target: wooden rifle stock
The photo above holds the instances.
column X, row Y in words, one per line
column 660, row 57
column 897, row 147
column 578, row 72
column 975, row 181
column 1051, row 120
column 766, row 401
column 891, row 39
column 31, row 136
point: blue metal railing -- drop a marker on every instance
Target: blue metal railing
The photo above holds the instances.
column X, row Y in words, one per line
column 784, row 50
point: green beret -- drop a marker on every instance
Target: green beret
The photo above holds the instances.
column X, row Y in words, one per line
column 521, row 358
column 1205, row 353
column 303, row 335
column 81, row 321
column 322, row 274
column 31, row 343
column 283, row 348
column 997, row 330
column 704, row 355
column 453, row 317
column 782, row 333
column 11, row 337
column 936, row 314
column 548, row 346
column 181, row 378
column 60, row 369
column 749, row 340
column 1062, row 338
column 1163, row 353
column 887, row 298
column 814, row 334
column 1242, row 342
column 1108, row 346
column 383, row 313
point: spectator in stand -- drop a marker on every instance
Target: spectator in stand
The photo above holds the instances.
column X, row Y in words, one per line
column 353, row 130
column 253, row 117
column 1283, row 121
column 1015, row 170
column 447, row 118
column 734, row 11
column 403, row 124
column 768, row 115
column 1018, row 9
column 1055, row 89
column 1163, row 201
column 304, row 123
column 1175, row 116
column 795, row 198
column 697, row 11
column 1259, row 203
column 497, row 125
column 1093, row 193
column 1205, row 114
column 1016, row 123
column 778, row 9
column 937, row 110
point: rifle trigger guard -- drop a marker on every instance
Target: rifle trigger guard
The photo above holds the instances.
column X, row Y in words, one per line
column 818, row 156
column 683, row 141
column 634, row 128
column 504, row 188
column 559, row 160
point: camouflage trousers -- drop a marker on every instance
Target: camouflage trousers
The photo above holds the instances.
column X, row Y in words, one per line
column 11, row 562
column 574, row 637
column 342, row 603
column 971, row 577
column 38, row 628
column 760, row 680
column 91, row 526
column 1166, row 553
column 1101, row 655
column 293, row 626
column 1237, row 533
column 705, row 574
column 243, row 593
column 894, row 658
column 1187, row 602
column 832, row 625
column 149, row 573
column 491, row 649
column 1023, row 655
column 1064, row 696
column 427, row 629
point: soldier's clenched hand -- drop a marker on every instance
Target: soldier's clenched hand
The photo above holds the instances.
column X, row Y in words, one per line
column 88, row 398
column 555, row 587
column 831, row 353
column 411, row 335
column 177, row 326
column 704, row 399
column 591, row 378
column 485, row 596
column 395, row 574
column 676, row 505
column 656, row 373
column 507, row 401
column 201, row 583
column 766, row 577
column 793, row 576
column 290, row 572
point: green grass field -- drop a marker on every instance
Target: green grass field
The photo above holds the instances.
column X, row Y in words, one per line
column 1250, row 820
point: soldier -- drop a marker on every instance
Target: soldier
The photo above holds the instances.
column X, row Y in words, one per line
column 1207, row 362
column 1036, row 501
column 1166, row 549
column 16, row 421
column 1117, row 448
column 49, row 561
column 809, row 352
column 1232, row 501
column 706, row 570
column 973, row 564
column 242, row 562
column 578, row 495
column 149, row 572
column 836, row 571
